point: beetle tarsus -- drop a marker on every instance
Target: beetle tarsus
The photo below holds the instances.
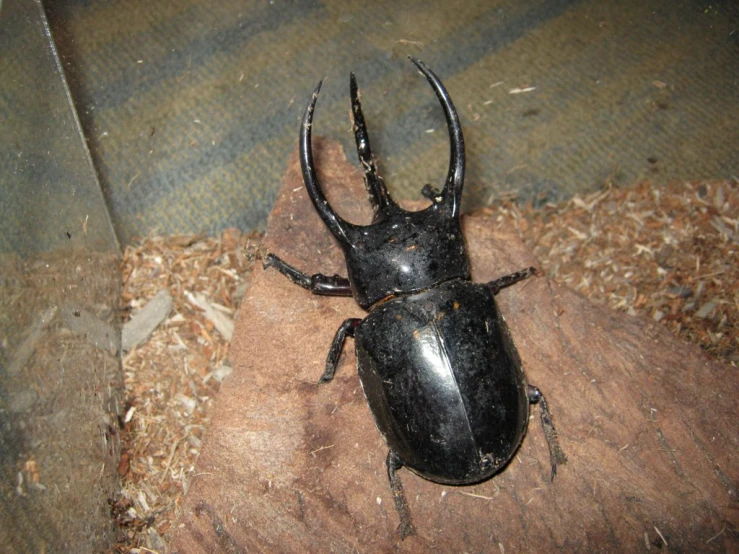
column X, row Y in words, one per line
column 507, row 280
column 337, row 345
column 556, row 454
column 325, row 285
column 394, row 463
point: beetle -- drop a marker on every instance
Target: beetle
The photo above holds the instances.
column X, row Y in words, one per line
column 436, row 361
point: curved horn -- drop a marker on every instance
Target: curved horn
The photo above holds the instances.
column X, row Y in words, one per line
column 333, row 221
column 455, row 176
column 375, row 185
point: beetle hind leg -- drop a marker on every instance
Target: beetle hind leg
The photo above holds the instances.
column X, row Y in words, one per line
column 394, row 463
column 556, row 454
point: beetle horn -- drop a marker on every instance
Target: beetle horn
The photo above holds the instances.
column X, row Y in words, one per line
column 375, row 185
column 333, row 221
column 455, row 178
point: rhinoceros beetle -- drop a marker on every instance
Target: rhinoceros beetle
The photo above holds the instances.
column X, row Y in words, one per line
column 435, row 358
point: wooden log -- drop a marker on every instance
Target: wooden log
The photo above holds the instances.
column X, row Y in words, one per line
column 649, row 424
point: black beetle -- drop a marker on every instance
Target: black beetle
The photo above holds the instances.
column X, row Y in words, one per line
column 435, row 358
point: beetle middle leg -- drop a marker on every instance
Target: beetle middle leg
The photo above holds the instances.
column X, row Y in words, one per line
column 337, row 345
column 394, row 463
column 556, row 454
column 511, row 279
column 326, row 285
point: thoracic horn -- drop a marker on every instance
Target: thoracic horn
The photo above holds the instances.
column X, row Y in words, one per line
column 338, row 226
column 455, row 177
column 381, row 200
column 383, row 205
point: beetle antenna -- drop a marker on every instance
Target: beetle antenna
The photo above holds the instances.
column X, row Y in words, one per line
column 333, row 221
column 375, row 185
column 455, row 177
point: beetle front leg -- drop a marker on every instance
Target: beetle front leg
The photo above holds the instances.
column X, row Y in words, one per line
column 326, row 285
column 401, row 503
column 337, row 345
column 508, row 280
column 556, row 454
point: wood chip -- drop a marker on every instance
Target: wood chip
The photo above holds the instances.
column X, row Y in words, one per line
column 142, row 324
column 169, row 377
column 222, row 322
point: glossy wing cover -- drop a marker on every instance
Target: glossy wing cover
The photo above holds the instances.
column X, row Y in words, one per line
column 444, row 382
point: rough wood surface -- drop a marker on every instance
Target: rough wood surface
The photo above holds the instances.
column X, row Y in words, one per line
column 648, row 423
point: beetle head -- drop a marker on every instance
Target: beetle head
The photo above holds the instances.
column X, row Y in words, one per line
column 400, row 252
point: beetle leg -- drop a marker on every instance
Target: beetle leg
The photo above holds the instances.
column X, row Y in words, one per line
column 512, row 279
column 556, row 454
column 394, row 463
column 337, row 345
column 326, row 285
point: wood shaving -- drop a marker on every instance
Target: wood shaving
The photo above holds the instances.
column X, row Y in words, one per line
column 171, row 380
column 669, row 253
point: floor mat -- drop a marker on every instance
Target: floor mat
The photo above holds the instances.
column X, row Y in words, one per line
column 192, row 108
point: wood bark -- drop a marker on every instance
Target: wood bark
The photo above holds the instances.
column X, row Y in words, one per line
column 649, row 424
